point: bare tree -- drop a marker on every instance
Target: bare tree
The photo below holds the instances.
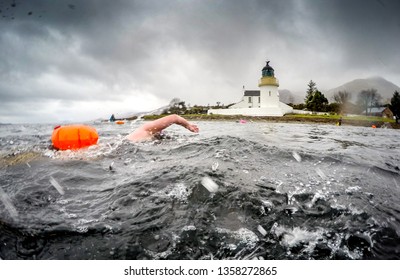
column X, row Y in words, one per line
column 368, row 98
column 174, row 101
column 342, row 98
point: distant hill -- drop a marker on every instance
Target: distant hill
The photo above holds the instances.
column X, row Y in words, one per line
column 158, row 111
column 286, row 96
column 383, row 87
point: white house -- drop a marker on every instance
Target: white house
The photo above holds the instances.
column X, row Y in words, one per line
column 263, row 102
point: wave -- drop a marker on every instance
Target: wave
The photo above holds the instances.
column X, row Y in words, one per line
column 147, row 201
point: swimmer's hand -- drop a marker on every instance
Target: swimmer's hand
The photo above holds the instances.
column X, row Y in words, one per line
column 193, row 128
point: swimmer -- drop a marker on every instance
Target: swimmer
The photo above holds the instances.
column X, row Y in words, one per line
column 152, row 129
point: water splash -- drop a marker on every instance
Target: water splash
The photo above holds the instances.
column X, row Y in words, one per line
column 157, row 189
column 179, row 192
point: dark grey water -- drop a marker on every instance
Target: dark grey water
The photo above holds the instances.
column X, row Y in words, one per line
column 285, row 191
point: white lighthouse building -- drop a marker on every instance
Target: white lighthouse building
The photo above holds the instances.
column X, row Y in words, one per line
column 263, row 102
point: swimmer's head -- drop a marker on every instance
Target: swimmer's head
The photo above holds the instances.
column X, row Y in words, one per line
column 161, row 135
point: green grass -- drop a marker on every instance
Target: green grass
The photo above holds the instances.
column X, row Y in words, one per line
column 337, row 117
column 310, row 116
column 370, row 118
column 324, row 118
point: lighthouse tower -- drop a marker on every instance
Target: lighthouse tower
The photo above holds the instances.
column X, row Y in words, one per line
column 269, row 95
column 263, row 102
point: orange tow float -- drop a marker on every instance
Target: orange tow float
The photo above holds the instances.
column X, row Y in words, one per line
column 119, row 122
column 74, row 137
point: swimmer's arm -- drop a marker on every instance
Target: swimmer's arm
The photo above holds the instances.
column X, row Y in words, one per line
column 164, row 122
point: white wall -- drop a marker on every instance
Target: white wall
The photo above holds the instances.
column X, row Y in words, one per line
column 269, row 96
column 244, row 103
column 303, row 112
column 277, row 111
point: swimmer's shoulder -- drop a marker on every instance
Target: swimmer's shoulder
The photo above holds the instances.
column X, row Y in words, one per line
column 139, row 136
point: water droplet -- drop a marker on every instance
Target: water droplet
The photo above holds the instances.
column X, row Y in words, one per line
column 262, row 230
column 209, row 184
column 8, row 205
column 56, row 185
column 296, row 156
column 320, row 173
column 215, row 165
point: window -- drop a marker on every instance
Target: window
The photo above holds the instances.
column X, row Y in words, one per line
column 249, row 99
column 259, row 99
column 269, row 93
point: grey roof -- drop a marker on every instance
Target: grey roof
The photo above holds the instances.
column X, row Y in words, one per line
column 251, row 93
column 376, row 110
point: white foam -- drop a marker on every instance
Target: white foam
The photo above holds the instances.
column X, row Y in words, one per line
column 298, row 235
column 179, row 191
column 242, row 235
column 267, row 203
column 189, row 228
column 295, row 236
column 353, row 189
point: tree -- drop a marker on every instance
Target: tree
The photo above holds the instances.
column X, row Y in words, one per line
column 333, row 107
column 342, row 98
column 368, row 98
column 395, row 104
column 300, row 106
column 174, row 101
column 176, row 107
column 318, row 102
column 315, row 100
column 310, row 92
column 196, row 109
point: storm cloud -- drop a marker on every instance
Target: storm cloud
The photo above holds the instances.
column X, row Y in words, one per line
column 82, row 60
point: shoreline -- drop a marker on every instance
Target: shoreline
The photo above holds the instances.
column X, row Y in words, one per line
column 296, row 119
column 316, row 119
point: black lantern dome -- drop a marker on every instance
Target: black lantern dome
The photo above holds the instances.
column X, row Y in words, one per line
column 268, row 71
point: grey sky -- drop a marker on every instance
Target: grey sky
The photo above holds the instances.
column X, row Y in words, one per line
column 80, row 60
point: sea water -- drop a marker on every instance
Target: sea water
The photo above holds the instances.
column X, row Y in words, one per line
column 254, row 190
